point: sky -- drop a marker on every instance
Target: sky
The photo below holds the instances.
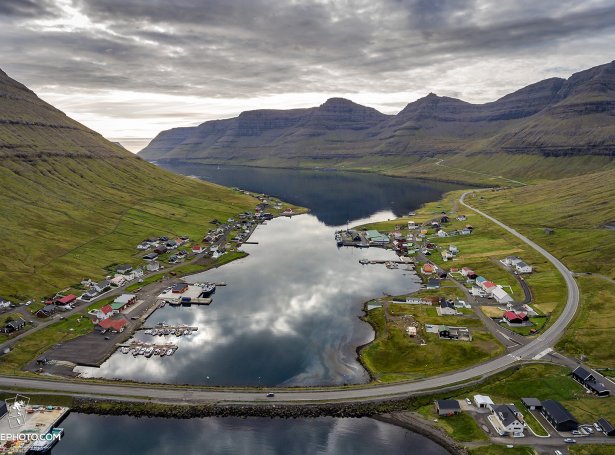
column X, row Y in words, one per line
column 131, row 68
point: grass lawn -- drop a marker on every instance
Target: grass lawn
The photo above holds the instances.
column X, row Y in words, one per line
column 31, row 347
column 591, row 332
column 462, row 426
column 393, row 355
column 501, row 450
column 591, row 449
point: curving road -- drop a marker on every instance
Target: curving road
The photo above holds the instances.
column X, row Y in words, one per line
column 361, row 393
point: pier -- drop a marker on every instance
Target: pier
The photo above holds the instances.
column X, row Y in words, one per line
column 39, row 420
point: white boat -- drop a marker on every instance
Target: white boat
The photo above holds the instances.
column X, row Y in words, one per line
column 148, row 332
column 142, row 351
column 125, row 350
column 135, row 352
column 363, row 261
column 187, row 332
column 163, row 352
column 170, row 351
column 149, row 352
column 156, row 351
column 172, row 331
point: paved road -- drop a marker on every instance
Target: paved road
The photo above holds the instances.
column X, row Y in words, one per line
column 170, row 392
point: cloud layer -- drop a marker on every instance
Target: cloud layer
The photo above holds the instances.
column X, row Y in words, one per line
column 131, row 68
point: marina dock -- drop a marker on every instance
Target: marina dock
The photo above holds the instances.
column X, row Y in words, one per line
column 38, row 420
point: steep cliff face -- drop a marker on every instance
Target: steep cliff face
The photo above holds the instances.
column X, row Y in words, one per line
column 553, row 116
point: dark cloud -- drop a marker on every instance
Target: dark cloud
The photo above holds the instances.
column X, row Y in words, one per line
column 259, row 48
column 26, row 8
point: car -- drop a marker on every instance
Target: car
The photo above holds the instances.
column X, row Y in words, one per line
column 576, row 432
column 597, row 427
column 558, row 452
column 469, row 402
column 570, row 441
column 107, row 338
column 270, row 395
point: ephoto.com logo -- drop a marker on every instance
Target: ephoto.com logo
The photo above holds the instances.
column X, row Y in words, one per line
column 16, row 410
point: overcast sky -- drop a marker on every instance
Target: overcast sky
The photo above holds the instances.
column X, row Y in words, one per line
column 130, row 68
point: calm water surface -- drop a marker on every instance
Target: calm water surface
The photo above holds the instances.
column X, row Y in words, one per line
column 225, row 435
column 289, row 315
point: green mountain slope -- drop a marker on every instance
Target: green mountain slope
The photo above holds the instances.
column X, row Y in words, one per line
column 73, row 203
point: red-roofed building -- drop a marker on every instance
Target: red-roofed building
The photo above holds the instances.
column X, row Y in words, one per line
column 515, row 318
column 197, row 249
column 113, row 325
column 487, row 286
column 70, row 298
column 428, row 268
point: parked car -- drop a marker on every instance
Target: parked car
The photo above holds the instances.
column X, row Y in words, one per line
column 270, row 395
column 570, row 441
column 469, row 402
column 598, row 427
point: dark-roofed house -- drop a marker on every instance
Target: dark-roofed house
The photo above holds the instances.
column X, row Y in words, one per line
column 447, row 407
column 584, row 377
column 46, row 311
column 14, row 325
column 532, row 403
column 3, row 409
column 124, row 268
column 607, row 427
column 433, row 283
column 507, row 420
column 102, row 286
column 558, row 416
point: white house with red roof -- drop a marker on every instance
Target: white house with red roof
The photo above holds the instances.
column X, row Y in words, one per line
column 101, row 313
column 197, row 249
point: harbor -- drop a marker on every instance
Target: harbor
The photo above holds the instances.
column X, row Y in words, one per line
column 33, row 427
column 140, row 348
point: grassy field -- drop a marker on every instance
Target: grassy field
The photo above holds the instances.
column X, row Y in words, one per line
column 501, row 450
column 32, row 346
column 462, row 426
column 591, row 449
column 393, row 355
column 590, row 333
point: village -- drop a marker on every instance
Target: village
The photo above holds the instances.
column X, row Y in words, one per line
column 118, row 305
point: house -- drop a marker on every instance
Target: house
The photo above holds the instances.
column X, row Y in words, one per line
column 512, row 317
column 161, row 249
column 197, row 249
column 14, row 325
column 123, row 269
column 123, row 301
column 607, row 427
column 501, row 296
column 483, row 401
column 118, row 280
column 179, row 288
column 487, row 286
column 467, row 271
column 461, row 218
column 510, row 260
column 558, row 416
column 150, row 256
column 102, row 313
column 433, row 283
column 441, row 234
column 138, row 273
column 46, row 311
column 465, row 231
column 446, row 255
column 447, row 407
column 411, row 331
column 532, row 404
column 453, row 249
column 66, row 300
column 428, row 268
column 444, row 219
column 480, row 279
column 89, row 295
column 588, row 380
column 153, row 266
column 507, row 420
column 412, row 225
column 376, row 237
column 143, row 246
column 522, row 267
column 446, row 308
column 4, row 303
column 116, row 325
column 477, row 292
column 102, row 286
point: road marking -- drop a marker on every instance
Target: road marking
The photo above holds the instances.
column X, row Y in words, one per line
column 541, row 354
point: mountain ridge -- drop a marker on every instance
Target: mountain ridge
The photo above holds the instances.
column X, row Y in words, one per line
column 555, row 116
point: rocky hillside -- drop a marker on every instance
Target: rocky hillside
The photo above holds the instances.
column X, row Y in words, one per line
column 553, row 117
column 73, row 203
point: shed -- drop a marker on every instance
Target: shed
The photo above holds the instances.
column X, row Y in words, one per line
column 447, row 407
column 70, row 298
column 607, row 427
column 483, row 401
column 559, row 416
column 532, row 403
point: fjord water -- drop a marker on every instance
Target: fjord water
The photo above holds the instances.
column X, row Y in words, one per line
column 227, row 435
column 290, row 313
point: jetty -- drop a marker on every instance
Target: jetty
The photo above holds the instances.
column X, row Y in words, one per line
column 39, row 420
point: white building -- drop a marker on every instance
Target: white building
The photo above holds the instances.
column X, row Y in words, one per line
column 501, row 296
column 153, row 266
column 483, row 401
column 522, row 267
column 442, row 234
column 507, row 420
